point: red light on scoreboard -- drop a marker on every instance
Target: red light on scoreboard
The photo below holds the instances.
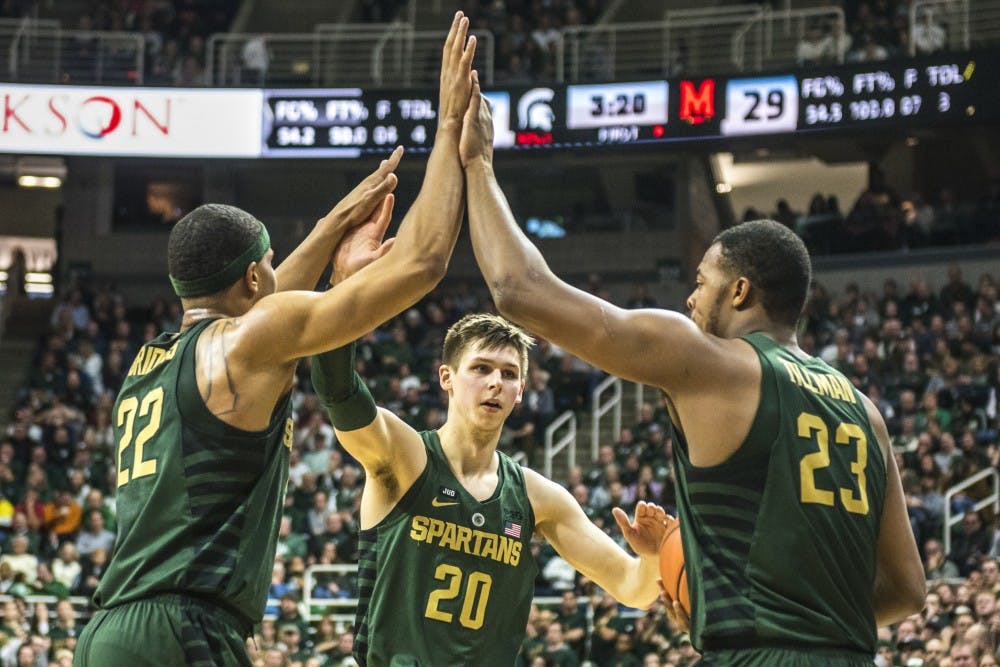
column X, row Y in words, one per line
column 697, row 104
column 533, row 138
column 658, row 131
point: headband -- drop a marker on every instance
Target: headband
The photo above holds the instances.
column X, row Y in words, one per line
column 226, row 276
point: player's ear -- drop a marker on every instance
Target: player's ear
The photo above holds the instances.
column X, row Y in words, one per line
column 251, row 277
column 444, row 376
column 520, row 391
column 741, row 293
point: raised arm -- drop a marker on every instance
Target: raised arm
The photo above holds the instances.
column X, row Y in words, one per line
column 413, row 266
column 655, row 347
column 390, row 450
column 900, row 587
column 304, row 266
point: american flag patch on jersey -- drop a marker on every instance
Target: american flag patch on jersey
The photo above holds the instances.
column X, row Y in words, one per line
column 512, row 529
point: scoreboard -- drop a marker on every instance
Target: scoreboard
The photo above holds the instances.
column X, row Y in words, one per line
column 346, row 122
column 350, row 122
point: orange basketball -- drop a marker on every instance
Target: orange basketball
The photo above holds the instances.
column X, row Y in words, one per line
column 673, row 572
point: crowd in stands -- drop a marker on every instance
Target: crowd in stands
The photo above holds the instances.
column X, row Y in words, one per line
column 174, row 34
column 526, row 33
column 928, row 358
column 881, row 219
column 875, row 30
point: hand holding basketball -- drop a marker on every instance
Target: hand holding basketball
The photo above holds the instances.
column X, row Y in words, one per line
column 673, row 574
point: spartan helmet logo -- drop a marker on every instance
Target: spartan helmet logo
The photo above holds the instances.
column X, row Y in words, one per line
column 534, row 111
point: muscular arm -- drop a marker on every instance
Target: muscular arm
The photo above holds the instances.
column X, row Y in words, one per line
column 900, row 587
column 632, row 580
column 258, row 350
column 390, row 451
column 413, row 266
column 655, row 347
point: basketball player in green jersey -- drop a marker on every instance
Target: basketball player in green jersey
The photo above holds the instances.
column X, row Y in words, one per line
column 795, row 530
column 446, row 575
column 203, row 418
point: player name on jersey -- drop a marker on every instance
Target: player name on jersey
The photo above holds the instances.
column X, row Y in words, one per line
column 150, row 357
column 480, row 543
column 820, row 384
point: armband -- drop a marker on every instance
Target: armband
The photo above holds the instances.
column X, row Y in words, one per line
column 341, row 390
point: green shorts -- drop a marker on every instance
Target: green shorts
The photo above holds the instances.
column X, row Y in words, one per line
column 162, row 631
column 784, row 657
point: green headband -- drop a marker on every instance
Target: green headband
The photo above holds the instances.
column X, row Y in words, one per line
column 228, row 275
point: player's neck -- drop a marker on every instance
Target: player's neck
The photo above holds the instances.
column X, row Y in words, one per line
column 225, row 304
column 469, row 451
column 782, row 334
column 193, row 315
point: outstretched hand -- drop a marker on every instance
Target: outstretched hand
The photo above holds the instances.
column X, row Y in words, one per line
column 477, row 128
column 645, row 533
column 365, row 200
column 363, row 244
column 456, row 66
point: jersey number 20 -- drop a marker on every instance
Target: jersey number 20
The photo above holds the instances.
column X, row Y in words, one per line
column 477, row 594
column 151, row 406
column 814, row 429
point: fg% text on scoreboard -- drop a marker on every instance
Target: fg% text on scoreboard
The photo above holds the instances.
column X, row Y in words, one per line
column 344, row 122
column 861, row 97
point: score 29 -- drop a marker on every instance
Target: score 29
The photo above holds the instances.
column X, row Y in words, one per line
column 761, row 106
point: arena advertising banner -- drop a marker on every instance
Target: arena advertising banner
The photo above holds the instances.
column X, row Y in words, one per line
column 155, row 122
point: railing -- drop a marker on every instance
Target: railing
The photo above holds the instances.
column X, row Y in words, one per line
column 338, row 55
column 984, row 26
column 599, row 409
column 392, row 54
column 320, row 606
column 743, row 37
column 772, row 37
column 992, row 499
column 948, row 18
column 17, row 38
column 407, row 57
column 42, row 52
column 640, row 397
column 553, row 446
column 81, row 605
column 706, row 39
column 703, row 39
column 5, row 300
column 280, row 60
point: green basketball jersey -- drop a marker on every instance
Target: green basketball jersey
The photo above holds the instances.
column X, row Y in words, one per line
column 780, row 540
column 199, row 501
column 446, row 580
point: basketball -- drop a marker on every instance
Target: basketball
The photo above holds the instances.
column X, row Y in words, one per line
column 673, row 572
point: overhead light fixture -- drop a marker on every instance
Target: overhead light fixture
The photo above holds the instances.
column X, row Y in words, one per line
column 30, row 181
column 723, row 188
column 40, row 172
column 34, row 288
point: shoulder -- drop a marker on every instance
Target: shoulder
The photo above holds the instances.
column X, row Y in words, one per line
column 547, row 498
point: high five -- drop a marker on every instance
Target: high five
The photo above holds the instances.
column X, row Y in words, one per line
column 795, row 529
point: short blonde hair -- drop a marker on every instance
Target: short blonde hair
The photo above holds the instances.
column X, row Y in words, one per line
column 489, row 332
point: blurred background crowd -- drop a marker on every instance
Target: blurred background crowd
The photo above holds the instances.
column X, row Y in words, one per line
column 928, row 355
column 527, row 32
